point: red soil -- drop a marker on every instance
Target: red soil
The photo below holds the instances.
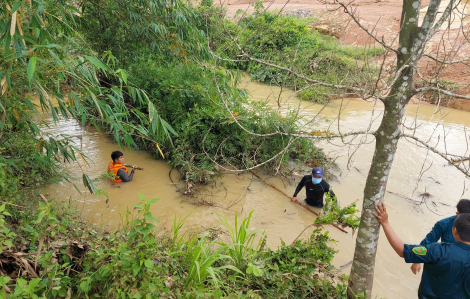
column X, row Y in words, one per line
column 383, row 20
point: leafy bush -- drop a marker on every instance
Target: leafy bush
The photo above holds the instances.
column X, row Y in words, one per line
column 333, row 213
column 301, row 270
column 73, row 258
column 289, row 42
column 187, row 95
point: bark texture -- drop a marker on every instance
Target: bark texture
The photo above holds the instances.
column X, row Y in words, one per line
column 412, row 40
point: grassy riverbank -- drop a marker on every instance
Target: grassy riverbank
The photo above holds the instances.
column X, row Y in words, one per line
column 49, row 252
column 291, row 43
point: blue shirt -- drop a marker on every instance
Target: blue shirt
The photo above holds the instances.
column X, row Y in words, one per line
column 441, row 230
column 446, row 273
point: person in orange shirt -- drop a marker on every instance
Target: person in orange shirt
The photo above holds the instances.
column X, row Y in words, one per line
column 118, row 169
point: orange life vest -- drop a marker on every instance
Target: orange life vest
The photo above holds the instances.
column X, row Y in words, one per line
column 114, row 169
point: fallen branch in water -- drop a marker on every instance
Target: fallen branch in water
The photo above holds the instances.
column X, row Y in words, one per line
column 308, row 208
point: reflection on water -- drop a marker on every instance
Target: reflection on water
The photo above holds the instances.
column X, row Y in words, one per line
column 275, row 213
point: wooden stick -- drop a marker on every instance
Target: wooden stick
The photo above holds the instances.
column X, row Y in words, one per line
column 138, row 168
column 308, row 208
column 43, row 198
column 11, row 204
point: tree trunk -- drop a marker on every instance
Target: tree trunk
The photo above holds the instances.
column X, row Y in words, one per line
column 412, row 40
column 386, row 141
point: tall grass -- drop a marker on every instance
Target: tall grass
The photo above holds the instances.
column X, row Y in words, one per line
column 178, row 240
column 202, row 259
column 243, row 238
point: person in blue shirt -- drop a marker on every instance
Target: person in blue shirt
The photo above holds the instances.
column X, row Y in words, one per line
column 446, row 272
column 443, row 230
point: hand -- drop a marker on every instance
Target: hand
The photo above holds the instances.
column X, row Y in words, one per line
column 134, row 167
column 294, row 199
column 415, row 268
column 381, row 215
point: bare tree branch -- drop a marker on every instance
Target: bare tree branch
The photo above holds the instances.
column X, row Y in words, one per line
column 462, row 61
column 466, row 172
column 448, row 93
column 314, row 82
column 351, row 14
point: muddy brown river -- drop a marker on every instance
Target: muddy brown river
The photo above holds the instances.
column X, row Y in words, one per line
column 273, row 212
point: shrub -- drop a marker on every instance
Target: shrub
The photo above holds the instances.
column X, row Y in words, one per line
column 187, row 96
column 289, row 42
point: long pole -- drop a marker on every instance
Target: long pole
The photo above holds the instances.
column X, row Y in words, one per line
column 138, row 168
column 308, row 208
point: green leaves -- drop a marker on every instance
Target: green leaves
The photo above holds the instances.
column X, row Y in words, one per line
column 149, row 264
column 3, row 281
column 150, row 218
column 84, row 286
column 98, row 63
column 242, row 245
column 333, row 213
column 88, row 183
column 254, row 269
column 31, row 69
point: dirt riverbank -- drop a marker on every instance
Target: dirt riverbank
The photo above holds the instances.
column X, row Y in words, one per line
column 382, row 18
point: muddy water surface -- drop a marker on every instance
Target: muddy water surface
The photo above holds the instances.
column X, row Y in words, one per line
column 275, row 213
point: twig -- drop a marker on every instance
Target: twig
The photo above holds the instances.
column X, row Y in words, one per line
column 43, row 198
column 313, row 224
column 11, row 204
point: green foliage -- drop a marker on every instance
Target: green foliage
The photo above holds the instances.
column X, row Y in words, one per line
column 297, row 270
column 241, row 248
column 27, row 163
column 135, row 263
column 187, row 95
column 40, row 55
column 333, row 213
column 131, row 28
column 289, row 42
column 6, row 235
column 202, row 258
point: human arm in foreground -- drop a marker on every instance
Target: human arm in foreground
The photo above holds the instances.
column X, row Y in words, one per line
column 392, row 237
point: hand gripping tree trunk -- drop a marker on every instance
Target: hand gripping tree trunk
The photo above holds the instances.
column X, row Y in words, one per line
column 412, row 40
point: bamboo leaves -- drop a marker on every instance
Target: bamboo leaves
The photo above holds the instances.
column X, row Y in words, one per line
column 98, row 63
column 31, row 69
column 88, row 183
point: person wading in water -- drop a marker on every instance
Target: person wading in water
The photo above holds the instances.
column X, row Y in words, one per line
column 315, row 187
column 118, row 169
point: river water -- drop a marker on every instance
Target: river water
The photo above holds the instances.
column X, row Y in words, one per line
column 273, row 212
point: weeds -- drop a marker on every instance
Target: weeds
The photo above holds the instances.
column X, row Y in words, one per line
column 241, row 248
column 134, row 263
column 333, row 213
column 202, row 258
